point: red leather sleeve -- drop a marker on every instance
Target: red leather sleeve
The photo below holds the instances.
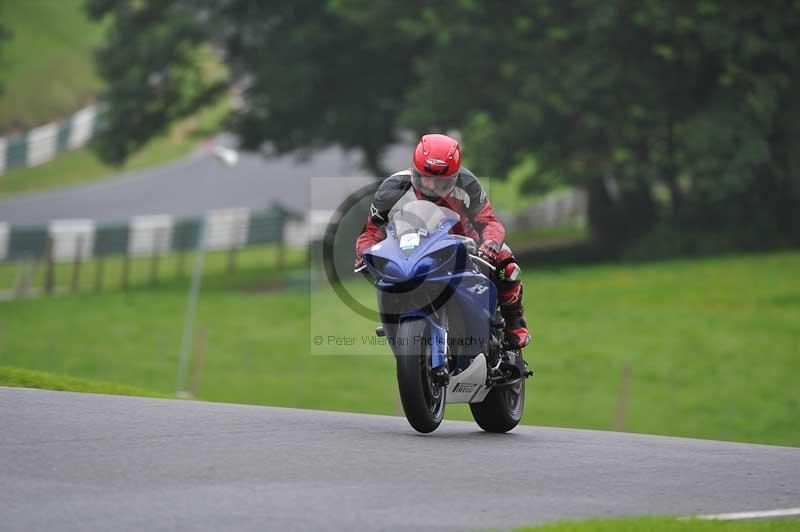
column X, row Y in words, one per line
column 371, row 235
column 489, row 227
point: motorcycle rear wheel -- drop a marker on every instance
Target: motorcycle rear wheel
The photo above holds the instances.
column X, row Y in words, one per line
column 502, row 409
column 423, row 400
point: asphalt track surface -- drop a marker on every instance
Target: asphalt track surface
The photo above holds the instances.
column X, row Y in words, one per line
column 199, row 182
column 86, row 462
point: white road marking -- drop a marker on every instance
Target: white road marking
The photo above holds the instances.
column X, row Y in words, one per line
column 787, row 512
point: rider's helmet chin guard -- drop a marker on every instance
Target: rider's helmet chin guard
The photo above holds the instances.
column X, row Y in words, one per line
column 437, row 160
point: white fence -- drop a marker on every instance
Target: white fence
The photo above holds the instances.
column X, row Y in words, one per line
column 41, row 144
column 72, row 239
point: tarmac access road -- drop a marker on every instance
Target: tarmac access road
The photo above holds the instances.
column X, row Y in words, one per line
column 83, row 462
column 200, row 182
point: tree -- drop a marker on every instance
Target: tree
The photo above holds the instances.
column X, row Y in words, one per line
column 622, row 96
column 625, row 98
column 546, row 79
column 315, row 77
column 155, row 67
column 312, row 77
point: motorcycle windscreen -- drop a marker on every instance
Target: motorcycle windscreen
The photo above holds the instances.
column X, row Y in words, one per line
column 420, row 217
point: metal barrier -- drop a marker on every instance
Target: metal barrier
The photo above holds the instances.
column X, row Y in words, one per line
column 42, row 253
column 41, row 144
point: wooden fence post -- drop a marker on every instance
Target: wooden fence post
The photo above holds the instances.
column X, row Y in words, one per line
column 280, row 259
column 232, row 259
column 198, row 362
column 24, row 275
column 76, row 264
column 622, row 401
column 126, row 270
column 155, row 256
column 49, row 276
column 98, row 273
column 16, row 282
column 182, row 253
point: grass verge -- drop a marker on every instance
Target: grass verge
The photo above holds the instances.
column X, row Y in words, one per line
column 665, row 524
column 23, row 378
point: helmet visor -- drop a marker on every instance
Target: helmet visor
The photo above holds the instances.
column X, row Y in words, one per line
column 433, row 186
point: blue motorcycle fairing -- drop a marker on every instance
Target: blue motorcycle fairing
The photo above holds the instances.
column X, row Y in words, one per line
column 429, row 264
column 476, row 296
column 386, row 261
column 438, row 338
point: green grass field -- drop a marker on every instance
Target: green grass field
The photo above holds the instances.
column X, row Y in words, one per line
column 712, row 346
column 47, row 66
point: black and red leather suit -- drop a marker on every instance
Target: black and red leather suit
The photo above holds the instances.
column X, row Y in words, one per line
column 478, row 221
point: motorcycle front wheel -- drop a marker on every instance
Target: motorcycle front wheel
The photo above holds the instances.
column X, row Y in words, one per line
column 502, row 409
column 423, row 400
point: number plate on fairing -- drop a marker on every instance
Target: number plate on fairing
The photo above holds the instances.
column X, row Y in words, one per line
column 409, row 241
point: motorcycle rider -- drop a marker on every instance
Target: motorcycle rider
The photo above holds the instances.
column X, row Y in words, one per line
column 436, row 175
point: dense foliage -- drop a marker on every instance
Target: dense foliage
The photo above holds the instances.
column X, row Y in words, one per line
column 156, row 70
column 671, row 114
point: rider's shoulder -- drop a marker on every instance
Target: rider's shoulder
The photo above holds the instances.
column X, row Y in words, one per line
column 398, row 181
column 398, row 178
column 470, row 184
column 392, row 188
column 467, row 178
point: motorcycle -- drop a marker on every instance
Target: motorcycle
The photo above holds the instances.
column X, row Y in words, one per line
column 438, row 309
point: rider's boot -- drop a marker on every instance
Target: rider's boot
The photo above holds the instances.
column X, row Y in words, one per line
column 516, row 330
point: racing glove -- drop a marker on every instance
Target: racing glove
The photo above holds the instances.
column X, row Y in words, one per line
column 359, row 264
column 488, row 251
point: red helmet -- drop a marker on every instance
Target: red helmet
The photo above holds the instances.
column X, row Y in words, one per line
column 437, row 161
